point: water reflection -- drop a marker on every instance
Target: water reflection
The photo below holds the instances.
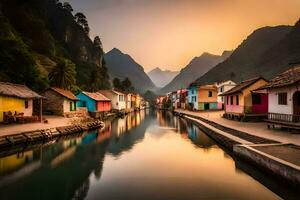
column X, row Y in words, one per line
column 146, row 155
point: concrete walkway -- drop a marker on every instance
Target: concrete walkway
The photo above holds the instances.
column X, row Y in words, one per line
column 258, row 129
column 53, row 122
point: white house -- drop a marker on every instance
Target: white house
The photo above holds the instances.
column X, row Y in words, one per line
column 284, row 97
column 118, row 101
column 223, row 87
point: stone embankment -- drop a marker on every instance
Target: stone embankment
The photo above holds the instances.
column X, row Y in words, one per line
column 279, row 159
column 47, row 134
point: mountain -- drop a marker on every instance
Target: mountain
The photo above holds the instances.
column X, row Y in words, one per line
column 266, row 52
column 196, row 68
column 122, row 65
column 37, row 34
column 162, row 77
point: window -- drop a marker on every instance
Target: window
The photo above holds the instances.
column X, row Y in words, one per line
column 121, row 98
column 256, row 99
column 282, row 98
column 222, row 89
column 209, row 93
column 26, row 104
column 231, row 100
column 227, row 100
column 237, row 99
column 83, row 103
column 192, row 91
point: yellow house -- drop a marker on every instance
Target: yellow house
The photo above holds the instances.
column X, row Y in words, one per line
column 241, row 99
column 207, row 97
column 16, row 99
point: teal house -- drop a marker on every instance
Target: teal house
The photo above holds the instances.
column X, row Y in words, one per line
column 94, row 102
column 193, row 97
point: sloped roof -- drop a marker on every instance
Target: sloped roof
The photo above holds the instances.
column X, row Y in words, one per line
column 240, row 87
column 17, row 90
column 286, row 78
column 65, row 93
column 97, row 96
column 208, row 87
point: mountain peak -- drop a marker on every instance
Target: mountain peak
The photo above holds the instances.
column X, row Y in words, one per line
column 116, row 51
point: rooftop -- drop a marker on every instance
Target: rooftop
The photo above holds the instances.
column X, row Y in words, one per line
column 65, row 93
column 17, row 90
column 240, row 87
column 97, row 96
column 286, row 78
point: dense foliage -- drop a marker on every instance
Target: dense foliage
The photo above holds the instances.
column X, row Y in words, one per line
column 42, row 44
column 124, row 85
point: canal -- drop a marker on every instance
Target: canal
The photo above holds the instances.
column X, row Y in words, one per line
column 146, row 155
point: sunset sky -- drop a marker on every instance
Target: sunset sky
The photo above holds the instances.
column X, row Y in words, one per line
column 169, row 33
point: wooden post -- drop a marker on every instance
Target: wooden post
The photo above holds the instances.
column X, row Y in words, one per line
column 41, row 110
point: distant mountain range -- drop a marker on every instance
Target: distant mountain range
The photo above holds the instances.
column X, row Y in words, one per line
column 196, row 68
column 161, row 77
column 121, row 65
column 266, row 52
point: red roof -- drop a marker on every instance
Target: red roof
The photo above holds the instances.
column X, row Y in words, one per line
column 97, row 96
column 65, row 93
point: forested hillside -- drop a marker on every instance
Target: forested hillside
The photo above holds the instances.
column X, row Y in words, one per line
column 43, row 43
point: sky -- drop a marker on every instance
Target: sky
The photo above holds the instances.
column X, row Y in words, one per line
column 169, row 33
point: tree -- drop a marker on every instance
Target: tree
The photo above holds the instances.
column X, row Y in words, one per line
column 68, row 7
column 98, row 43
column 81, row 20
column 63, row 75
column 127, row 85
column 117, row 84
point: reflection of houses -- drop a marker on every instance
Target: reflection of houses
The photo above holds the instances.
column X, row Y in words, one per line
column 19, row 104
column 59, row 101
column 284, row 99
column 223, row 87
column 242, row 102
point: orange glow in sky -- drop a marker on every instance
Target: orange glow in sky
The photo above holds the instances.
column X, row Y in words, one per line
column 169, row 33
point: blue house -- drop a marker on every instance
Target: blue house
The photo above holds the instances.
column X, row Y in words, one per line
column 93, row 101
column 193, row 97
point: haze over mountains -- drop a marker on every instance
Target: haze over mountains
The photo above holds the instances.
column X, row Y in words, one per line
column 266, row 52
column 161, row 77
column 196, row 68
column 122, row 65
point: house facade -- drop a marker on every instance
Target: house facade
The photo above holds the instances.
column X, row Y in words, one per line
column 207, row 97
column 241, row 99
column 59, row 101
column 128, row 103
column 94, row 102
column 284, row 97
column 117, row 98
column 223, row 87
column 18, row 100
column 193, row 97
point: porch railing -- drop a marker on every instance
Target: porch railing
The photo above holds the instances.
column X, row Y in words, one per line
column 284, row 117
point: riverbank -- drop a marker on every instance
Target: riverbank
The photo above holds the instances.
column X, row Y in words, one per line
column 272, row 155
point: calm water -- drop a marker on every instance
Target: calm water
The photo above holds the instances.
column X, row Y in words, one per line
column 149, row 155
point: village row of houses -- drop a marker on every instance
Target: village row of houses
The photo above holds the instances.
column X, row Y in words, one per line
column 276, row 101
column 18, row 103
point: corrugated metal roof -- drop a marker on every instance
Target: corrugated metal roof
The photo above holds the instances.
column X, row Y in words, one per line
column 97, row 96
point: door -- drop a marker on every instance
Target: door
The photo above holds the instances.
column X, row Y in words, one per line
column 206, row 106
column 296, row 106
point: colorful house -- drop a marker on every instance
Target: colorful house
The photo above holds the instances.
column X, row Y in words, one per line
column 94, row 102
column 207, row 97
column 242, row 100
column 193, row 97
column 128, row 102
column 19, row 102
column 138, row 102
column 284, row 98
column 181, row 100
column 117, row 99
column 59, row 101
column 223, row 87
